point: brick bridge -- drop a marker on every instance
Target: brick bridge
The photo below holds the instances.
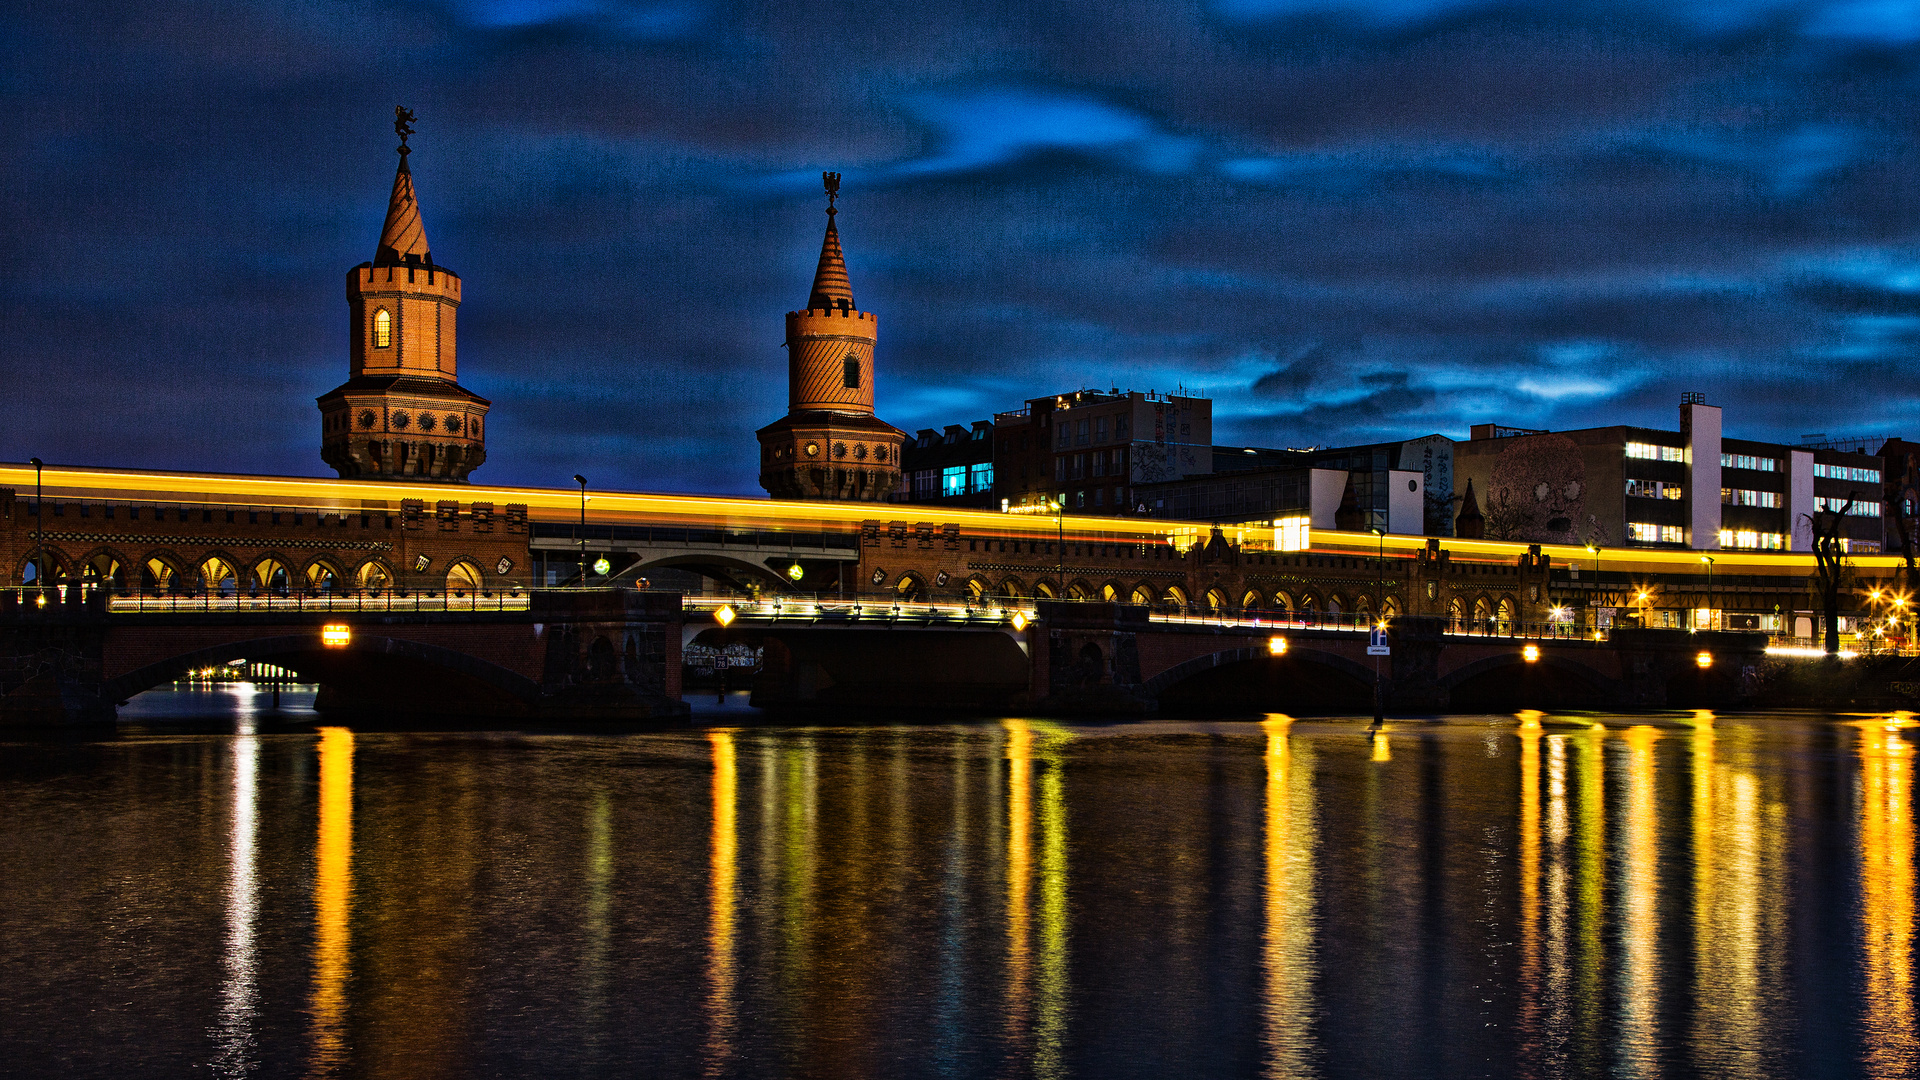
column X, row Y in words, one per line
column 595, row 655
column 1117, row 658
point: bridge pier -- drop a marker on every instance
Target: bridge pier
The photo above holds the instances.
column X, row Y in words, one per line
column 1086, row 658
column 50, row 659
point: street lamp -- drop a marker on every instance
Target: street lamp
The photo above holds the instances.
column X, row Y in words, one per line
column 582, row 481
column 1060, row 542
column 1599, row 590
column 39, row 556
column 1709, row 561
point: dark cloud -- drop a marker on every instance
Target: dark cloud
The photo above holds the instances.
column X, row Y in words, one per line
column 1345, row 221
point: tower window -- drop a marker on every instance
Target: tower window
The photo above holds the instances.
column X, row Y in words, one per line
column 382, row 329
column 853, row 373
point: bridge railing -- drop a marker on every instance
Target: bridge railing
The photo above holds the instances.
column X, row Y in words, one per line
column 863, row 608
column 65, row 595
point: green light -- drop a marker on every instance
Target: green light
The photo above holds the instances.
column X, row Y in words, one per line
column 795, row 572
column 601, row 566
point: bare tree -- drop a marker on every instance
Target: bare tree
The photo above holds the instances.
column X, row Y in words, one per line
column 1900, row 507
column 1508, row 516
column 1831, row 556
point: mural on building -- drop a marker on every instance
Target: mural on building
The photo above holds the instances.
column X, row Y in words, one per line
column 1537, row 493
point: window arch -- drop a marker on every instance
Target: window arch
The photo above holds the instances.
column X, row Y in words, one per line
column 1217, row 601
column 157, row 575
column 217, row 576
column 851, row 376
column 322, row 580
column 383, row 329
column 1012, row 589
column 1251, row 601
column 270, row 575
column 463, row 579
column 372, row 577
column 1143, row 595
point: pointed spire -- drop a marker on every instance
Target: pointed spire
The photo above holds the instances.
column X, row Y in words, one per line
column 1470, row 524
column 830, row 285
column 404, row 238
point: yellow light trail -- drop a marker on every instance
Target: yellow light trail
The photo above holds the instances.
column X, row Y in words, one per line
column 1639, row 930
column 1530, row 951
column 615, row 507
column 1019, row 749
column 1288, row 945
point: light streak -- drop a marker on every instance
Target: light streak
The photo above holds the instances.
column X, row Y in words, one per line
column 1288, row 934
column 332, row 900
column 722, row 1011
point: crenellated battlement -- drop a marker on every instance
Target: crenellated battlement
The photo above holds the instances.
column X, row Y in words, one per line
column 370, row 280
column 832, row 313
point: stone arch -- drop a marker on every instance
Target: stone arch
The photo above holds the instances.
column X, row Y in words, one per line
column 1505, row 613
column 1389, row 608
column 163, row 571
column 1142, row 594
column 1363, row 604
column 1282, row 603
column 372, row 576
column 977, row 589
column 1112, row 592
column 1013, row 588
column 289, row 650
column 1482, row 612
column 1336, row 605
column 1092, row 664
column 270, row 573
column 1044, row 590
column 1079, row 589
column 217, row 573
column 58, row 569
column 105, row 567
column 740, row 574
column 1176, row 595
column 465, row 578
column 1217, row 601
column 1252, row 601
column 1456, row 613
column 1499, row 676
column 322, row 577
column 1355, row 678
column 908, row 588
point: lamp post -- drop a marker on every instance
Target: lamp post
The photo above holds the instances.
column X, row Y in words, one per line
column 1709, row 561
column 1599, row 590
column 1379, row 570
column 582, row 481
column 1380, row 622
column 39, row 556
column 1060, row 544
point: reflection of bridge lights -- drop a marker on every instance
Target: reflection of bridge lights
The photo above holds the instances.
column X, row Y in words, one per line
column 335, row 635
column 724, row 615
column 1019, row 621
column 1277, row 645
column 40, row 600
column 1704, row 659
column 1531, row 653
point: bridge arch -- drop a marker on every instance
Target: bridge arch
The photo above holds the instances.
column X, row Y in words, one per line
column 48, row 566
column 395, row 663
column 271, row 573
column 1304, row 680
column 105, row 566
column 1142, row 595
column 1012, row 588
column 323, row 576
column 1507, row 681
column 735, row 571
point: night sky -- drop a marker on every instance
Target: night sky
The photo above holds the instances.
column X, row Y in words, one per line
column 1343, row 221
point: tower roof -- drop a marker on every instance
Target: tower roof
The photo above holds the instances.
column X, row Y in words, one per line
column 404, row 238
column 830, row 285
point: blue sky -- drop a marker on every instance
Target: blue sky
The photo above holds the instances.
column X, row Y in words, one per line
column 1344, row 221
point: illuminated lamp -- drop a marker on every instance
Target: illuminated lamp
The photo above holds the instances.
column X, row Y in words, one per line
column 1704, row 659
column 724, row 615
column 601, row 566
column 796, row 572
column 1531, row 653
column 335, row 635
column 1277, row 646
column 1019, row 621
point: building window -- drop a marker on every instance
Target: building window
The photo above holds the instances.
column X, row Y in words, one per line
column 926, row 483
column 1100, row 429
column 1060, row 469
column 1748, row 538
column 1651, row 452
column 1842, row 472
column 1861, row 507
column 1099, row 463
column 980, row 477
column 1648, row 533
column 1079, row 466
column 953, row 480
column 852, row 373
column 382, row 329
column 1748, row 461
column 1120, row 428
column 1066, row 433
column 1655, row 489
column 1080, row 438
column 1742, row 497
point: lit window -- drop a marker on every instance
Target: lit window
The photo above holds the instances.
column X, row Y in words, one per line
column 1293, row 533
column 980, row 477
column 953, row 480
column 1651, row 452
column 382, row 329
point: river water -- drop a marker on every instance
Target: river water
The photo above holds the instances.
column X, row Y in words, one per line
column 1667, row 895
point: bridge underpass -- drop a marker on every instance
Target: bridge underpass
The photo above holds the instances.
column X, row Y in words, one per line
column 696, row 561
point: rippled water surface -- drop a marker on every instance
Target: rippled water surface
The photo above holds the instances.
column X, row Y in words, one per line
column 1489, row 896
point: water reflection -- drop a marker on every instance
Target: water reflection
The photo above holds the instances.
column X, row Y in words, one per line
column 1639, row 980
column 1037, row 986
column 721, row 1007
column 1532, row 958
column 1887, row 896
column 1289, row 930
column 235, row 1050
column 332, row 895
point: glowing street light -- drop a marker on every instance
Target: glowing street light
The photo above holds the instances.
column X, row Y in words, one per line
column 796, row 571
column 1019, row 621
column 1276, row 646
column 1531, row 654
column 724, row 615
column 336, row 635
column 1704, row 659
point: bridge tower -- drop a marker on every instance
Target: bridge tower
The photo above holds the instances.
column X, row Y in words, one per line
column 401, row 415
column 830, row 445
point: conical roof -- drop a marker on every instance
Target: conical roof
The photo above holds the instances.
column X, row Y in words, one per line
column 404, row 238
column 830, row 285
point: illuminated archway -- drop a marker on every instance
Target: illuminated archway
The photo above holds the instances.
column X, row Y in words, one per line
column 464, row 579
column 1506, row 613
column 270, row 576
column 910, row 589
column 1143, row 594
column 159, row 575
column 217, row 577
column 322, row 578
column 372, row 577
column 1217, row 601
column 1013, row 589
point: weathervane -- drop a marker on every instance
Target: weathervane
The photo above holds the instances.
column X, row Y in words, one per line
column 403, row 126
column 832, row 180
